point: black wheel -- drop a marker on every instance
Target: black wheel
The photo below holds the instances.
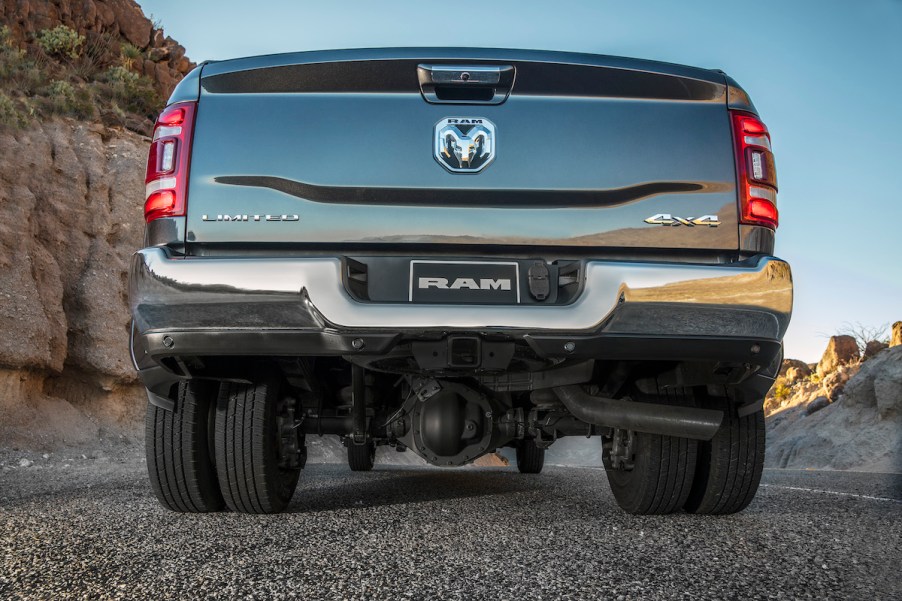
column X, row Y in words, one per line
column 649, row 474
column 530, row 458
column 177, row 445
column 259, row 454
column 361, row 457
column 729, row 466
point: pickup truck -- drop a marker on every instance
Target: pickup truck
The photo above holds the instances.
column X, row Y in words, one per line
column 452, row 251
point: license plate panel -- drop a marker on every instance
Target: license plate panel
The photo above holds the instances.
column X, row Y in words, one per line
column 465, row 282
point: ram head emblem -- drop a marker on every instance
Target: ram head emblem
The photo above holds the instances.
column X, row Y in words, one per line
column 464, row 145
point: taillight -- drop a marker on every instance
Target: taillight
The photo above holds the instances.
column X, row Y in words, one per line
column 165, row 186
column 756, row 171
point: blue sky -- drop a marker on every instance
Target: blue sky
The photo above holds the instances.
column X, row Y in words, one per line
column 825, row 76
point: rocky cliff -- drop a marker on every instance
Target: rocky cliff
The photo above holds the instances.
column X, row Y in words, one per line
column 70, row 216
column 844, row 413
column 107, row 25
column 71, row 194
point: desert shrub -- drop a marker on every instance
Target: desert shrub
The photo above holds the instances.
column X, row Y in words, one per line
column 11, row 59
column 66, row 99
column 815, row 378
column 130, row 55
column 10, row 115
column 8, row 112
column 19, row 73
column 85, row 77
column 99, row 51
column 132, row 92
column 61, row 90
column 60, row 41
column 119, row 74
column 782, row 392
column 29, row 78
column 863, row 333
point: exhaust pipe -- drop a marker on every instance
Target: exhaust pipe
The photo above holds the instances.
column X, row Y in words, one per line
column 653, row 418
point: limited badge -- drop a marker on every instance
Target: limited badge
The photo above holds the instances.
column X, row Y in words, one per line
column 464, row 144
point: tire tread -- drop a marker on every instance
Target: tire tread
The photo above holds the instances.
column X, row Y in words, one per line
column 730, row 466
column 247, row 447
column 360, row 457
column 660, row 481
column 530, row 458
column 178, row 462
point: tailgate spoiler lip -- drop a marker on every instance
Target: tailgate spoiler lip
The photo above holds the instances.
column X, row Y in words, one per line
column 213, row 68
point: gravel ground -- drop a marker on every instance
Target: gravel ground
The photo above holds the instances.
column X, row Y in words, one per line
column 73, row 527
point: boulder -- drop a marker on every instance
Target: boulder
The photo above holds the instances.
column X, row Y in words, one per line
column 835, row 384
column 841, row 350
column 886, row 368
column 158, row 54
column 896, row 334
column 183, row 65
column 872, row 348
column 801, row 369
column 133, row 25
column 794, row 374
column 816, row 405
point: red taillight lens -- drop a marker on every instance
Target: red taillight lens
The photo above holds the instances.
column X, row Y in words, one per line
column 755, row 170
column 165, row 189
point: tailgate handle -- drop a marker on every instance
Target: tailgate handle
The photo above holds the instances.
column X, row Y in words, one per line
column 465, row 84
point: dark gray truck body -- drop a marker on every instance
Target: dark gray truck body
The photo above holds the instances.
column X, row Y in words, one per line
column 316, row 187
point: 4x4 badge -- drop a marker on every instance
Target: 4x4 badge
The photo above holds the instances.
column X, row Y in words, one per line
column 464, row 144
column 668, row 219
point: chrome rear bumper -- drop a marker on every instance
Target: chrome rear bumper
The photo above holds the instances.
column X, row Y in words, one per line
column 268, row 297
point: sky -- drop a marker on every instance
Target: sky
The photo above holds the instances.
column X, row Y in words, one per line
column 825, row 76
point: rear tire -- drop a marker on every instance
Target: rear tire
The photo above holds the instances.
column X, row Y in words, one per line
column 530, row 458
column 361, row 457
column 253, row 476
column 729, row 466
column 660, row 478
column 178, row 452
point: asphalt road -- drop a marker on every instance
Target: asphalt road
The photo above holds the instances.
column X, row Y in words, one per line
column 91, row 528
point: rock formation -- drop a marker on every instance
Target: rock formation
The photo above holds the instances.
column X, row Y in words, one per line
column 70, row 216
column 71, row 196
column 801, row 368
column 849, row 419
column 70, row 200
column 106, row 25
column 896, row 335
column 841, row 350
column 872, row 348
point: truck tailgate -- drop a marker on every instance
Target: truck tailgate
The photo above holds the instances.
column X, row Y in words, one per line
column 339, row 148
